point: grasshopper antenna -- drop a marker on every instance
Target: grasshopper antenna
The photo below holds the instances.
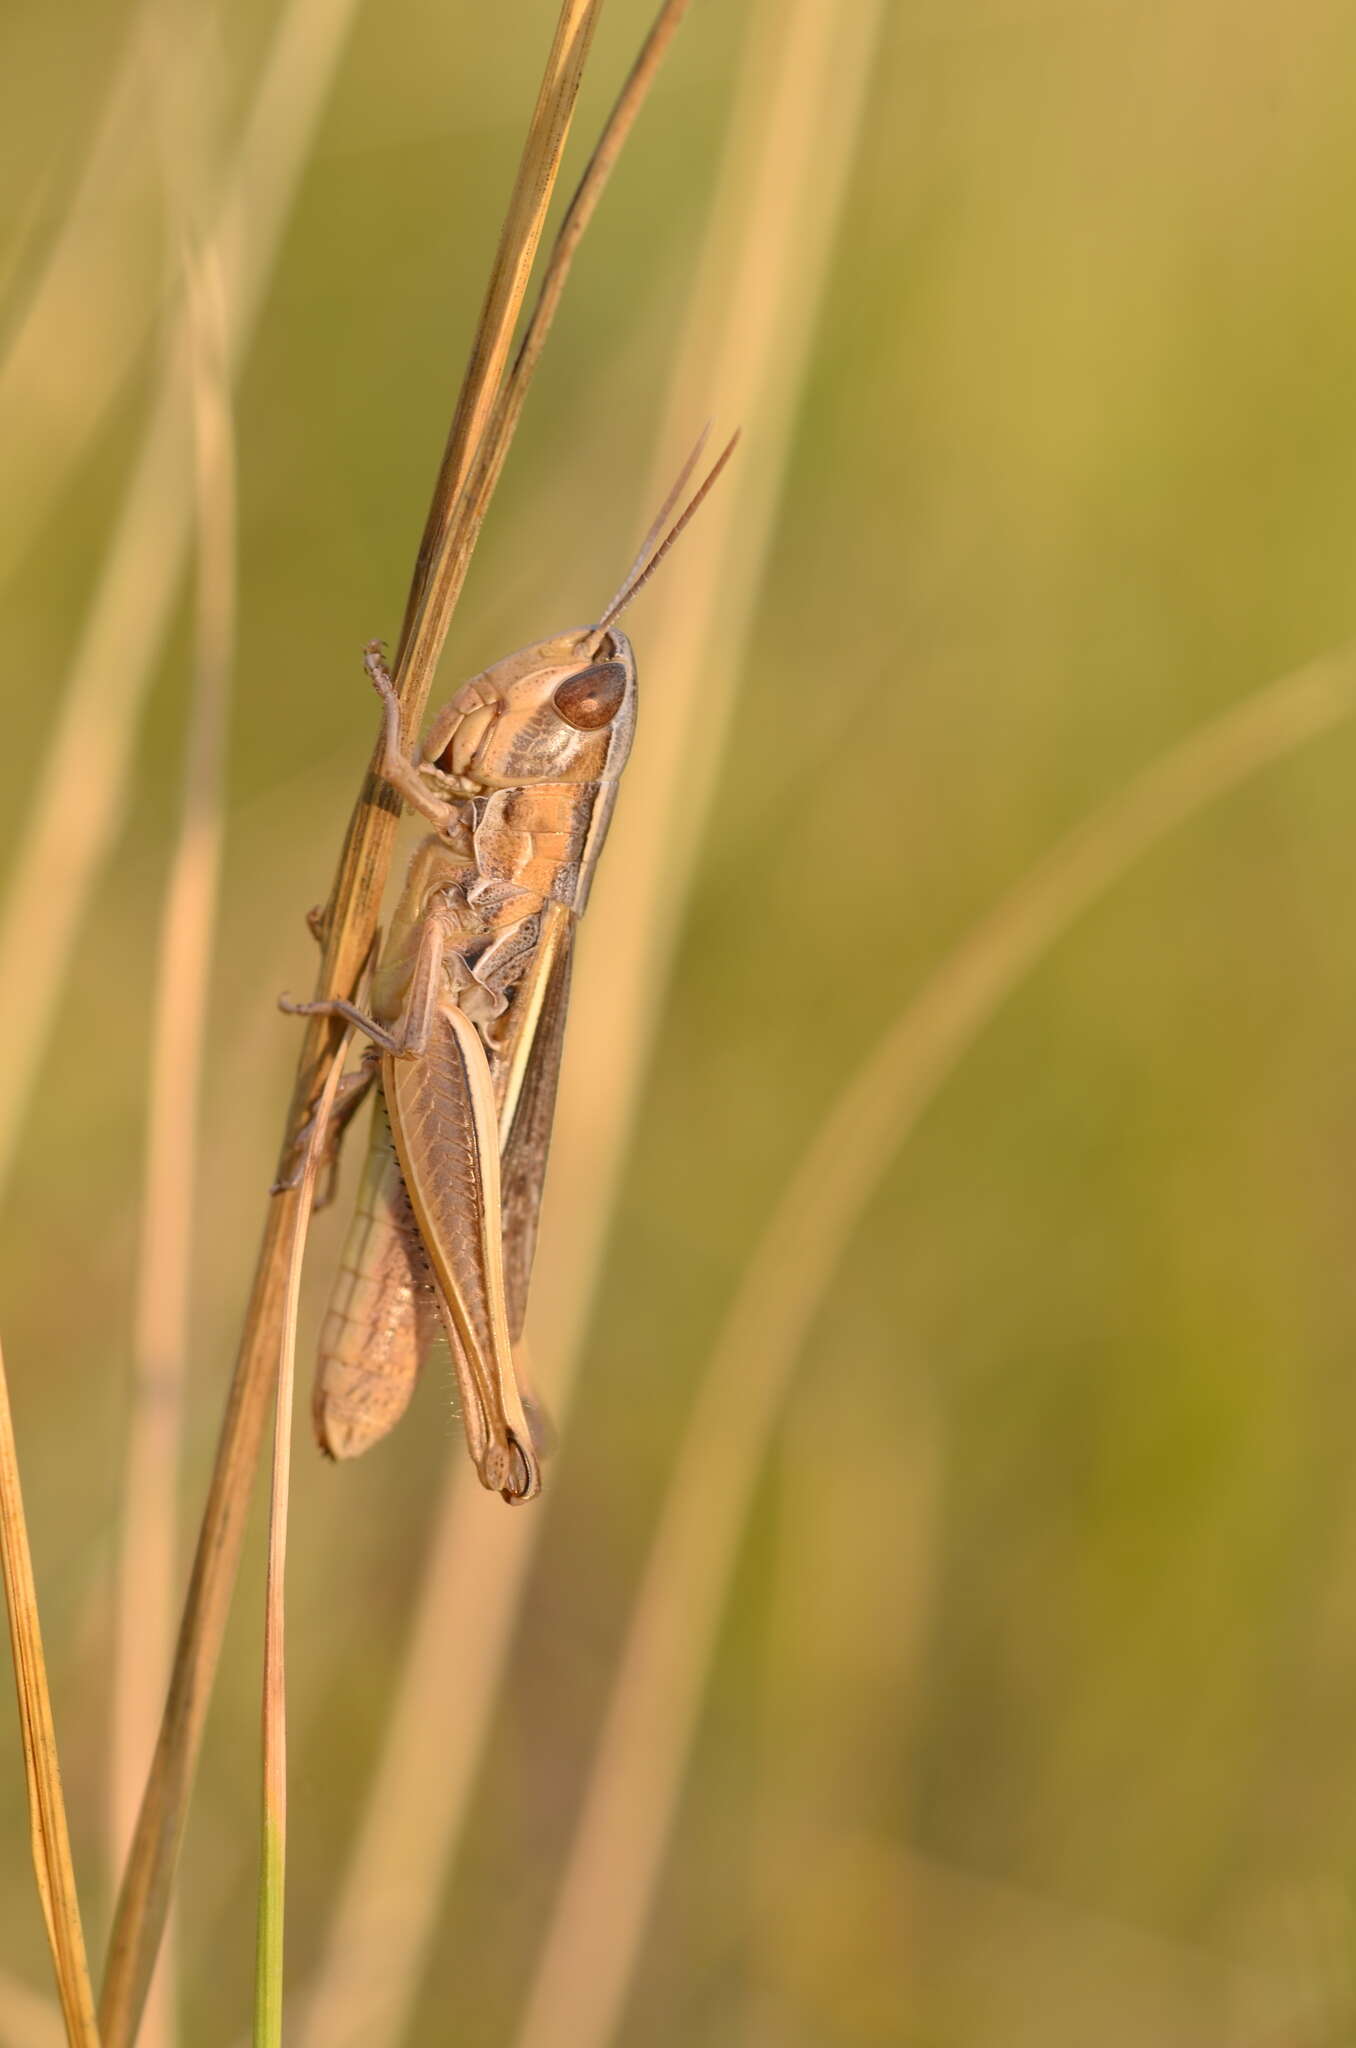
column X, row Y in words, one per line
column 649, row 556
column 679, row 484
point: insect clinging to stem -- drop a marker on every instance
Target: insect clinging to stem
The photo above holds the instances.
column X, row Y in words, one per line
column 517, row 776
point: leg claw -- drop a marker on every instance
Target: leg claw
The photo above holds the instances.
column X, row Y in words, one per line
column 374, row 661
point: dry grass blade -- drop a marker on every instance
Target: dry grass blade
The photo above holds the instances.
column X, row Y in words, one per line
column 633, row 1787
column 268, row 2003
column 349, row 927
column 578, row 214
column 147, row 1579
column 75, row 814
column 438, row 571
column 47, row 1810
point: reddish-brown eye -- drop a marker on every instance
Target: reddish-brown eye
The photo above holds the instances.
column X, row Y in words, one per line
column 590, row 700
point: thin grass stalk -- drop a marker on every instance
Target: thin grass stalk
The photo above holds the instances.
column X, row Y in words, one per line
column 268, row 1993
column 349, row 926
column 51, row 1846
column 148, row 1571
column 580, row 211
column 440, row 568
column 628, row 1810
column 743, row 356
column 76, row 815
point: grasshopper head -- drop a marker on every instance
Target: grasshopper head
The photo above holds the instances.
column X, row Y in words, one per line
column 562, row 710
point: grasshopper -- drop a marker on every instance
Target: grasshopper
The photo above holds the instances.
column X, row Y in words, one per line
column 517, row 777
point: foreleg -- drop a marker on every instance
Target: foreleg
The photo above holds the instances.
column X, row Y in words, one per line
column 402, row 773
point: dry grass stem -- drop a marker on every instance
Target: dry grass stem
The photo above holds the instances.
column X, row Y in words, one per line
column 350, row 924
column 148, row 1569
column 46, row 1807
column 440, row 566
column 76, row 814
column 268, row 2004
column 578, row 214
column 647, row 1734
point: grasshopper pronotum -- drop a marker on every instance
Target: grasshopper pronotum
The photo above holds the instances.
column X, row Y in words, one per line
column 517, row 776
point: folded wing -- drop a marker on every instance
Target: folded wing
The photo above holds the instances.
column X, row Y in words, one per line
column 446, row 1128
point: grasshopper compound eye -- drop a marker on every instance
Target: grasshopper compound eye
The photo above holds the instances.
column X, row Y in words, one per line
column 590, row 700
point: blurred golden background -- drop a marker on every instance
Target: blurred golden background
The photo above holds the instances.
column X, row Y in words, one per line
column 995, row 1681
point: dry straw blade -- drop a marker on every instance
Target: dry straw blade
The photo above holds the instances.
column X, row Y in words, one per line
column 633, row 1789
column 349, row 925
column 578, row 215
column 743, row 355
column 441, row 565
column 52, row 1866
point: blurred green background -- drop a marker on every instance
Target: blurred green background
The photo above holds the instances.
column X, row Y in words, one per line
column 1035, row 1722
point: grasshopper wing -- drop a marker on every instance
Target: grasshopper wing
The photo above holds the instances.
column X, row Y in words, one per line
column 381, row 1317
column 444, row 1121
column 529, row 1106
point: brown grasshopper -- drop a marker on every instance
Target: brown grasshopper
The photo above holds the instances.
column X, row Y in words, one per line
column 517, row 776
